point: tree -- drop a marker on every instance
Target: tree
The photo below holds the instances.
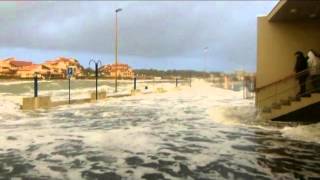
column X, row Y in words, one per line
column 88, row 71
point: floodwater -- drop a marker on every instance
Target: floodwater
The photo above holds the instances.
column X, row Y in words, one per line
column 200, row 132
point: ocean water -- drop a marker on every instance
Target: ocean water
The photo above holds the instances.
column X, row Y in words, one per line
column 200, row 132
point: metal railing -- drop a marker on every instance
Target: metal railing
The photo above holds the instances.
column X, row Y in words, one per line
column 279, row 93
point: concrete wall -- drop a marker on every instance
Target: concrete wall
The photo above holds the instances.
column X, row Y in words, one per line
column 277, row 43
column 101, row 95
column 31, row 103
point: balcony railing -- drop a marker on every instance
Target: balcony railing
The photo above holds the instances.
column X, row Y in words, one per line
column 285, row 87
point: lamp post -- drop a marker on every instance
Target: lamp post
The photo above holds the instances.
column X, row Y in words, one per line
column 35, row 84
column 116, row 49
column 205, row 51
column 96, row 63
column 190, row 76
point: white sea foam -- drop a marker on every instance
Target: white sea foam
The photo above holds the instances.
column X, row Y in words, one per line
column 136, row 139
column 309, row 133
column 224, row 106
column 226, row 111
column 8, row 83
column 10, row 107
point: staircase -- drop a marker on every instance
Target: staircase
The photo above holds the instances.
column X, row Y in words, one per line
column 292, row 104
column 275, row 106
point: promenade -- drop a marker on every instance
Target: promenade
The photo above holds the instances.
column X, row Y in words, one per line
column 183, row 134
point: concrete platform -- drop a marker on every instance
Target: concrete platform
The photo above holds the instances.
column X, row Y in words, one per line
column 32, row 103
column 101, row 95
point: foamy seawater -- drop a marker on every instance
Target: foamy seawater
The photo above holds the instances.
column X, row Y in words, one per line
column 195, row 133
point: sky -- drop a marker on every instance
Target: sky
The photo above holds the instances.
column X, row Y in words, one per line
column 152, row 34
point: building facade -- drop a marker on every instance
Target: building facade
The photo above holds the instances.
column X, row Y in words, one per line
column 55, row 68
column 10, row 66
column 122, row 71
column 30, row 70
column 290, row 27
column 60, row 65
column 6, row 68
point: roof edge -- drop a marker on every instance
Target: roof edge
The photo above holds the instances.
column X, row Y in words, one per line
column 276, row 9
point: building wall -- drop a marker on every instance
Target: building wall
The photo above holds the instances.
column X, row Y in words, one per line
column 123, row 71
column 277, row 43
column 5, row 68
column 59, row 67
column 25, row 69
column 25, row 74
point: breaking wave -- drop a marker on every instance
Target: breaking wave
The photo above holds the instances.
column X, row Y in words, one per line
column 309, row 133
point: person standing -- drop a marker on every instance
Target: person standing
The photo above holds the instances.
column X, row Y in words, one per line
column 314, row 69
column 301, row 69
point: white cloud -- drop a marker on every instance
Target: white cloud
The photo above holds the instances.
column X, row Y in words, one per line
column 147, row 29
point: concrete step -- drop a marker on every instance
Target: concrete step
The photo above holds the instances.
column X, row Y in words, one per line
column 293, row 98
column 295, row 105
column 316, row 95
column 276, row 105
column 285, row 102
column 266, row 110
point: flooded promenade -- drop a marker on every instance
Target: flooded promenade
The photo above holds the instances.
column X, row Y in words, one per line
column 200, row 132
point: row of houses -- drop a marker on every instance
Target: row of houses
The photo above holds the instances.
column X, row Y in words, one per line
column 121, row 70
column 56, row 68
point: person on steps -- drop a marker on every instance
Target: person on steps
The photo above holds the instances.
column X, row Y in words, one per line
column 314, row 70
column 301, row 69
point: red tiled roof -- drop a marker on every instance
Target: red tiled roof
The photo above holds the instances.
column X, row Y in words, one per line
column 117, row 65
column 30, row 67
column 8, row 59
column 21, row 63
column 59, row 59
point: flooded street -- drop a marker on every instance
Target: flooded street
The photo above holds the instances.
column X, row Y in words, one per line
column 201, row 132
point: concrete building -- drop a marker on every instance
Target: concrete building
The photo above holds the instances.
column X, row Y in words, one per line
column 123, row 70
column 6, row 68
column 60, row 65
column 10, row 66
column 291, row 26
column 29, row 71
column 240, row 74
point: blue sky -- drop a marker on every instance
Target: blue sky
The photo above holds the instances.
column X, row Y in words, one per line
column 162, row 35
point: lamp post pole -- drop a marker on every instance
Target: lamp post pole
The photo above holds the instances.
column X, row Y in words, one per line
column 69, row 89
column 205, row 50
column 96, row 63
column 190, row 78
column 35, row 79
column 116, row 49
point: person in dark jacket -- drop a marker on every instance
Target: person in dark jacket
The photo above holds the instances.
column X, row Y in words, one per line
column 301, row 68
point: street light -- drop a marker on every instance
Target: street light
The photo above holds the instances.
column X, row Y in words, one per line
column 116, row 49
column 35, row 84
column 96, row 63
column 205, row 51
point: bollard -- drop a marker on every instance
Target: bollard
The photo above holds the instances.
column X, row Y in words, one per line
column 226, row 82
column 69, row 91
column 96, row 81
column 135, row 83
column 35, row 85
column 176, row 82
